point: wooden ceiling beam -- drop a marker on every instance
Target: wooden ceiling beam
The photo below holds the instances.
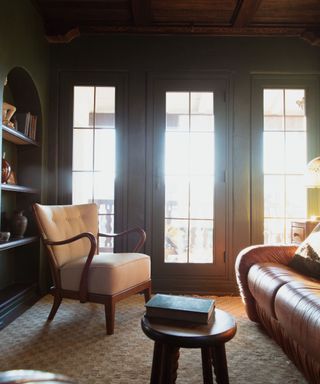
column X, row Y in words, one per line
column 141, row 12
column 195, row 30
column 244, row 12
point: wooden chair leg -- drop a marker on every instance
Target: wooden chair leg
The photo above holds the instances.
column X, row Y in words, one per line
column 56, row 304
column 109, row 309
column 147, row 294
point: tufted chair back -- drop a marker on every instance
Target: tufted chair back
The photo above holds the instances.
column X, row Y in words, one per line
column 58, row 223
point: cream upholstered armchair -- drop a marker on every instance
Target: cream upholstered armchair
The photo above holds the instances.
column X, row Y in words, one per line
column 70, row 234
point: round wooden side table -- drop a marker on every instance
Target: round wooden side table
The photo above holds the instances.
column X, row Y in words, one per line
column 170, row 335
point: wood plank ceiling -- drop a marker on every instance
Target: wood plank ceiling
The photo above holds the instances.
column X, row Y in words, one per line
column 67, row 19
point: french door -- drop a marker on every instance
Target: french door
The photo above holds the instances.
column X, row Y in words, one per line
column 189, row 182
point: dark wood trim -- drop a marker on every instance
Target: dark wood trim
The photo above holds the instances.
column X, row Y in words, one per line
column 13, row 243
column 189, row 30
column 196, row 30
column 17, row 137
column 18, row 188
column 244, row 12
column 16, row 299
column 141, row 12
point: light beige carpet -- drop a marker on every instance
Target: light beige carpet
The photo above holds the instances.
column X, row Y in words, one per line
column 75, row 344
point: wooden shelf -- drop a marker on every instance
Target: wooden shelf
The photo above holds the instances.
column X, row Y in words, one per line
column 15, row 299
column 18, row 188
column 14, row 243
column 17, row 137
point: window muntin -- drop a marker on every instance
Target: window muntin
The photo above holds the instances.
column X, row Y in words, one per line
column 93, row 167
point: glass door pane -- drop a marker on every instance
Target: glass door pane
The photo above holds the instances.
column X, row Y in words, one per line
column 189, row 177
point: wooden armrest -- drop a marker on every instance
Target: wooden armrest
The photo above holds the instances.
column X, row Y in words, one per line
column 83, row 289
column 140, row 231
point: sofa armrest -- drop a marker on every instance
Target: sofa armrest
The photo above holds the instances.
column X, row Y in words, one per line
column 281, row 254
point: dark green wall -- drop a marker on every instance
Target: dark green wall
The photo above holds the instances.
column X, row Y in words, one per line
column 23, row 44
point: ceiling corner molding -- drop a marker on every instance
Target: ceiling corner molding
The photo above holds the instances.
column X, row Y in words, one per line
column 312, row 37
column 64, row 39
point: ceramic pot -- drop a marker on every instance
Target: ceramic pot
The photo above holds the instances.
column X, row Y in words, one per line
column 19, row 224
column 6, row 171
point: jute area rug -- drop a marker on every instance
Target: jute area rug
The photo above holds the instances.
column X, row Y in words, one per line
column 75, row 344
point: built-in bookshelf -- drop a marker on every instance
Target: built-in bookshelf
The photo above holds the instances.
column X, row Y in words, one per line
column 21, row 143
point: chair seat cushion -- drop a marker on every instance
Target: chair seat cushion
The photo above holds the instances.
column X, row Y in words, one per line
column 109, row 273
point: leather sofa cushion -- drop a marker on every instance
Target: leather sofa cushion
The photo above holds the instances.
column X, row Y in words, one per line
column 265, row 279
column 297, row 307
column 109, row 273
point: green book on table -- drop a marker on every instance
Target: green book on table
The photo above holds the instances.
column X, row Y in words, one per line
column 184, row 308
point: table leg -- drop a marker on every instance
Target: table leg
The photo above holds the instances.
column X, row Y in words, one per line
column 170, row 357
column 206, row 365
column 220, row 366
column 156, row 363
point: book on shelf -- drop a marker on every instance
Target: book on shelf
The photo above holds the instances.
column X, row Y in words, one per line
column 186, row 308
column 26, row 123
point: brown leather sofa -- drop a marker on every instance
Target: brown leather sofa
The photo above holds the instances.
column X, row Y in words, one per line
column 284, row 301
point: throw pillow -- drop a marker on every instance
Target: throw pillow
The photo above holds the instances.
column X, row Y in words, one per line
column 307, row 257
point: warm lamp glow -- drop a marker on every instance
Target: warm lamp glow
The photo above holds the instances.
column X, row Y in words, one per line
column 313, row 173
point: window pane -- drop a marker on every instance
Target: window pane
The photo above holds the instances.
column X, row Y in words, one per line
column 296, row 123
column 201, row 197
column 177, row 197
column 273, row 102
column 177, row 153
column 273, row 123
column 201, row 153
column 202, row 103
column 274, row 196
column 202, row 123
column 274, row 231
column 176, row 241
column 103, row 186
column 177, row 102
column 106, row 225
column 296, row 202
column 105, row 206
column 201, row 241
column 82, row 187
column 273, row 152
column 296, row 156
column 82, row 149
column 294, row 102
column 83, row 106
column 105, row 151
column 177, row 122
column 105, row 107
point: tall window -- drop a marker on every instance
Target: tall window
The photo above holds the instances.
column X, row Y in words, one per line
column 189, row 177
column 93, row 168
column 285, row 144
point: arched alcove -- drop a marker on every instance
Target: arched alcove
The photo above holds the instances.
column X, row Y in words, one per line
column 21, row 92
